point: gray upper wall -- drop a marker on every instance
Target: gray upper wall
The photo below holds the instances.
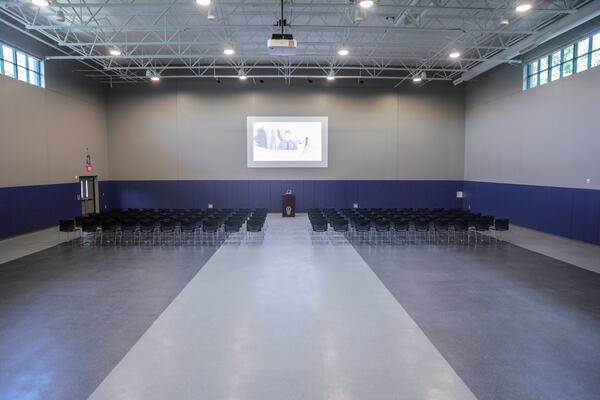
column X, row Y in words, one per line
column 61, row 75
column 45, row 132
column 197, row 130
column 548, row 136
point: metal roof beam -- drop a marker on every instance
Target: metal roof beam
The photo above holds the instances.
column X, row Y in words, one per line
column 295, row 5
column 584, row 14
column 262, row 27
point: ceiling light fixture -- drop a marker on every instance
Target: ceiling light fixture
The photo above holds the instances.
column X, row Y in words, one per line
column 60, row 16
column 115, row 52
column 203, row 3
column 358, row 14
column 504, row 21
column 40, row 3
column 366, row 3
column 523, row 6
column 211, row 15
column 331, row 76
column 152, row 75
column 242, row 75
column 343, row 52
column 454, row 54
column 419, row 77
column 229, row 51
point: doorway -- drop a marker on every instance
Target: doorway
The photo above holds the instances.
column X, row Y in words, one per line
column 87, row 194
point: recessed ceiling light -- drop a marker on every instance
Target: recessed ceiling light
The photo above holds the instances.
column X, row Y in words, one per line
column 40, row 3
column 229, row 51
column 343, row 52
column 203, row 2
column 419, row 77
column 358, row 14
column 115, row 52
column 522, row 7
column 454, row 54
column 366, row 3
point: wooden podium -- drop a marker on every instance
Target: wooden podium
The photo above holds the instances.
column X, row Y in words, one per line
column 289, row 205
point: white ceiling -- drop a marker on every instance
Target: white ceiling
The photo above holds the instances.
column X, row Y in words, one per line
column 396, row 40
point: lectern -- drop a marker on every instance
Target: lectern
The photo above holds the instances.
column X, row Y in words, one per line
column 289, row 205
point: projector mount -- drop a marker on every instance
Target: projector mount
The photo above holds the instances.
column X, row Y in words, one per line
column 282, row 44
column 282, row 22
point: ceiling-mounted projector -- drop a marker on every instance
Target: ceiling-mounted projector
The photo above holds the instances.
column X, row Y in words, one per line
column 282, row 44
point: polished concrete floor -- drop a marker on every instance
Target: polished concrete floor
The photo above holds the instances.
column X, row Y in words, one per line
column 574, row 252
column 290, row 318
column 69, row 314
column 284, row 320
column 514, row 324
column 30, row 243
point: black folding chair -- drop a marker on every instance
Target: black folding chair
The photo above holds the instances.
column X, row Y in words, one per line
column 67, row 227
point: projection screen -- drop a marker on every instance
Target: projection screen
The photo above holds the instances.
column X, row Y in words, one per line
column 287, row 142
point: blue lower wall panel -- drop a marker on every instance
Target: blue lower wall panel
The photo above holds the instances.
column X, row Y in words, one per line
column 309, row 193
column 574, row 213
column 28, row 208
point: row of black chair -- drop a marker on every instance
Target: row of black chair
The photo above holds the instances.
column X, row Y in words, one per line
column 162, row 226
column 320, row 220
column 407, row 224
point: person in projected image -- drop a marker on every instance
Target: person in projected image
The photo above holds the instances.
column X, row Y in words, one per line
column 279, row 139
column 286, row 141
column 260, row 139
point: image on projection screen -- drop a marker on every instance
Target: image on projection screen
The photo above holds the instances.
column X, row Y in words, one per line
column 287, row 141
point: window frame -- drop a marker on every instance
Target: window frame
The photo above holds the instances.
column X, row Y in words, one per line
column 528, row 70
column 33, row 76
